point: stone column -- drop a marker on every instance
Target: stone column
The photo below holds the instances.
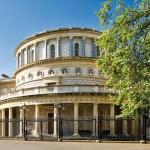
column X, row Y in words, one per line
column 37, row 117
column 55, row 121
column 133, row 124
column 94, row 48
column 83, row 47
column 112, row 122
column 45, row 50
column 0, row 123
column 76, row 116
column 95, row 115
column 125, row 127
column 21, row 122
column 3, row 123
column 71, row 47
column 58, row 48
column 10, row 121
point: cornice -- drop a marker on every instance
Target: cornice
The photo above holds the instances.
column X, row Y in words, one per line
column 55, row 60
column 53, row 95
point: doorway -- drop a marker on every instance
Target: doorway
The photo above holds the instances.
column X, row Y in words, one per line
column 50, row 123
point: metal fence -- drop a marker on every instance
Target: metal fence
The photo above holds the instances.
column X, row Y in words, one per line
column 65, row 128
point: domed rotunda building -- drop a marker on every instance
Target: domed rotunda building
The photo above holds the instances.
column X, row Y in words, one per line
column 56, row 76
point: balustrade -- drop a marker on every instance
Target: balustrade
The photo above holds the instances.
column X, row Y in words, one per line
column 57, row 89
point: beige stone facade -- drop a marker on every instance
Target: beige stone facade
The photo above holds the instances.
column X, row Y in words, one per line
column 56, row 67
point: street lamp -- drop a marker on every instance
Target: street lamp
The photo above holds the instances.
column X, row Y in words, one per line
column 24, row 109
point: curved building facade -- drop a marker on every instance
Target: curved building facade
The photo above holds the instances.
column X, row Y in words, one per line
column 56, row 68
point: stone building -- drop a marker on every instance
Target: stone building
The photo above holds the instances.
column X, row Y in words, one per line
column 56, row 68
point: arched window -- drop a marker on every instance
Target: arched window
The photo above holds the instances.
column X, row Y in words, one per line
column 52, row 51
column 76, row 47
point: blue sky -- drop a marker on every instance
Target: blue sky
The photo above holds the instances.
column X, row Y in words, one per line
column 22, row 18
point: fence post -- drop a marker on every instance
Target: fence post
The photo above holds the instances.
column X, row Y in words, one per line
column 99, row 129
column 41, row 125
column 59, row 128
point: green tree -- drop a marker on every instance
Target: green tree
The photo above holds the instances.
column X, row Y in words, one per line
column 125, row 54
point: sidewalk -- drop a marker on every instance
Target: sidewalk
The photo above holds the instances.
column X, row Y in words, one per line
column 28, row 145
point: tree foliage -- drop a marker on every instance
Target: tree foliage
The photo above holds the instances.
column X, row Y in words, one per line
column 125, row 54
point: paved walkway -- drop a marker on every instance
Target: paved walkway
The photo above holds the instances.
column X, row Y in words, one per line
column 27, row 145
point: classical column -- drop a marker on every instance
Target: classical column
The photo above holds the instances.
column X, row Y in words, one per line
column 112, row 122
column 58, row 48
column 125, row 127
column 55, row 121
column 95, row 115
column 0, row 123
column 20, row 57
column 3, row 123
column 83, row 46
column 94, row 48
column 76, row 116
column 71, row 46
column 10, row 121
column 45, row 50
column 133, row 124
column 21, row 122
column 36, row 117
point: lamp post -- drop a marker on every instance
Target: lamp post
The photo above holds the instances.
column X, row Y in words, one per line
column 24, row 108
column 59, row 107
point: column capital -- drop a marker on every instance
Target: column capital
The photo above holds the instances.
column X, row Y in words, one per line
column 58, row 38
column 70, row 37
column 83, row 37
column 76, row 103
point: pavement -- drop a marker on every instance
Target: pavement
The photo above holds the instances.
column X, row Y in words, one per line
column 39, row 145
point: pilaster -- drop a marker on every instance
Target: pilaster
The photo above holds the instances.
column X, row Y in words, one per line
column 58, row 48
column 83, row 46
column 94, row 48
column 45, row 50
column 71, row 47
